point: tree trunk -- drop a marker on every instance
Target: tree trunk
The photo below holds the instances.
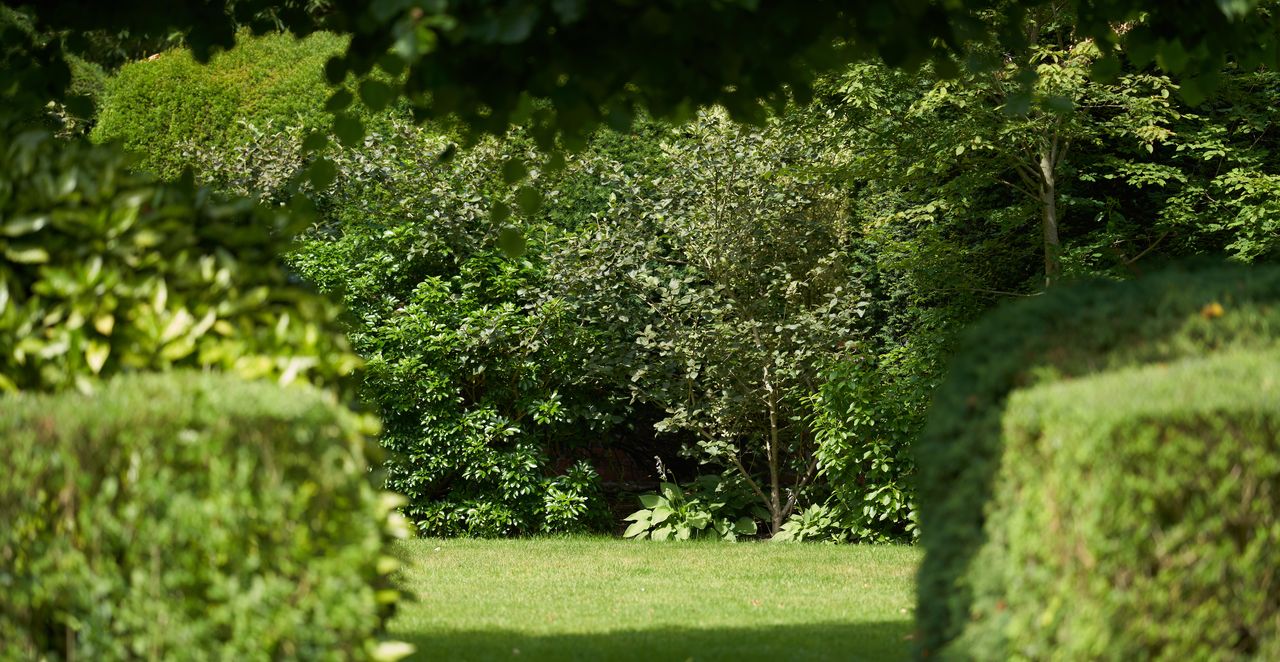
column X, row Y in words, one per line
column 775, row 480
column 1049, row 221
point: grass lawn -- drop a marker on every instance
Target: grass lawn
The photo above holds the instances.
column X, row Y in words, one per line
column 609, row 599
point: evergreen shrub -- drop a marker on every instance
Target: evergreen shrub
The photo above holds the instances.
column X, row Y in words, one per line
column 1136, row 515
column 1068, row 333
column 169, row 106
column 103, row 271
column 191, row 516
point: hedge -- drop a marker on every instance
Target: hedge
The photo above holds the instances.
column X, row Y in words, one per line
column 165, row 107
column 1069, row 332
column 189, row 516
column 1136, row 515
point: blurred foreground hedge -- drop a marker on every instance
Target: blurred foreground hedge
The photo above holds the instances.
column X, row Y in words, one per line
column 1136, row 516
column 1069, row 333
column 188, row 516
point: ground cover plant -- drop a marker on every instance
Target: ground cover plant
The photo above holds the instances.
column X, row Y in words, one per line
column 606, row 599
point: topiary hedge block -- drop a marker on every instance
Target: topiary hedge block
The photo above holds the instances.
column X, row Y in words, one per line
column 164, row 107
column 1136, row 515
column 1069, row 332
column 190, row 516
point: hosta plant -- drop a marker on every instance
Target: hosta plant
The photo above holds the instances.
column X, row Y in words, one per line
column 703, row 511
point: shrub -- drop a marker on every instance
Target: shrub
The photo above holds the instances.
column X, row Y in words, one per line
column 160, row 106
column 468, row 367
column 864, row 419
column 187, row 515
column 1069, row 332
column 107, row 271
column 1135, row 516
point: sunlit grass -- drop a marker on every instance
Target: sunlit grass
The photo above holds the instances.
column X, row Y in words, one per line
column 608, row 599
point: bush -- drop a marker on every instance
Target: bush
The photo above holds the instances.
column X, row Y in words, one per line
column 190, row 516
column 1135, row 516
column 864, row 419
column 1067, row 333
column 468, row 367
column 107, row 271
column 168, row 104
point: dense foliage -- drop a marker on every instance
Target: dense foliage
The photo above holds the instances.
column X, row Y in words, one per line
column 486, row 62
column 1134, row 517
column 1069, row 332
column 779, row 300
column 469, row 366
column 184, row 515
column 107, row 271
column 168, row 105
column 721, row 288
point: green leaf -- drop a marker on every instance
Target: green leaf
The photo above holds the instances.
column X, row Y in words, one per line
column 340, row 100
column 529, row 199
column 653, row 501
column 662, row 533
column 376, row 94
column 323, row 173
column 636, row 529
column 499, row 212
column 639, row 515
column 315, row 141
column 335, row 70
column 23, row 225
column 671, row 491
column 660, row 514
column 349, row 129
column 31, row 255
column 1017, row 104
column 555, row 162
column 512, row 242
column 514, row 170
column 745, row 526
column 95, row 354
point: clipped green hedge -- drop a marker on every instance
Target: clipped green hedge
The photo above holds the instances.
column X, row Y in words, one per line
column 1136, row 515
column 1067, row 333
column 189, row 516
column 105, row 271
column 166, row 106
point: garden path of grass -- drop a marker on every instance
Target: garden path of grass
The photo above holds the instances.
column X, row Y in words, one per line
column 609, row 599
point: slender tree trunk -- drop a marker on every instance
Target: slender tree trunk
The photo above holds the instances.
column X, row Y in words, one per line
column 1049, row 221
column 775, row 480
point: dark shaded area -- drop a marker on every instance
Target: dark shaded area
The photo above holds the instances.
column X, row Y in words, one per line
column 816, row 641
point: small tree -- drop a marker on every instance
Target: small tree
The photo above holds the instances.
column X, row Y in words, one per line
column 729, row 278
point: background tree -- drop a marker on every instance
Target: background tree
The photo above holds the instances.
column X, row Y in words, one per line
column 728, row 283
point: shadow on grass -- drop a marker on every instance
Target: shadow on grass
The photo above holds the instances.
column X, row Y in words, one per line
column 816, row 641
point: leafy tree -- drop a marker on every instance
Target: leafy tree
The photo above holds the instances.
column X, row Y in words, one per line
column 727, row 283
column 960, row 148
